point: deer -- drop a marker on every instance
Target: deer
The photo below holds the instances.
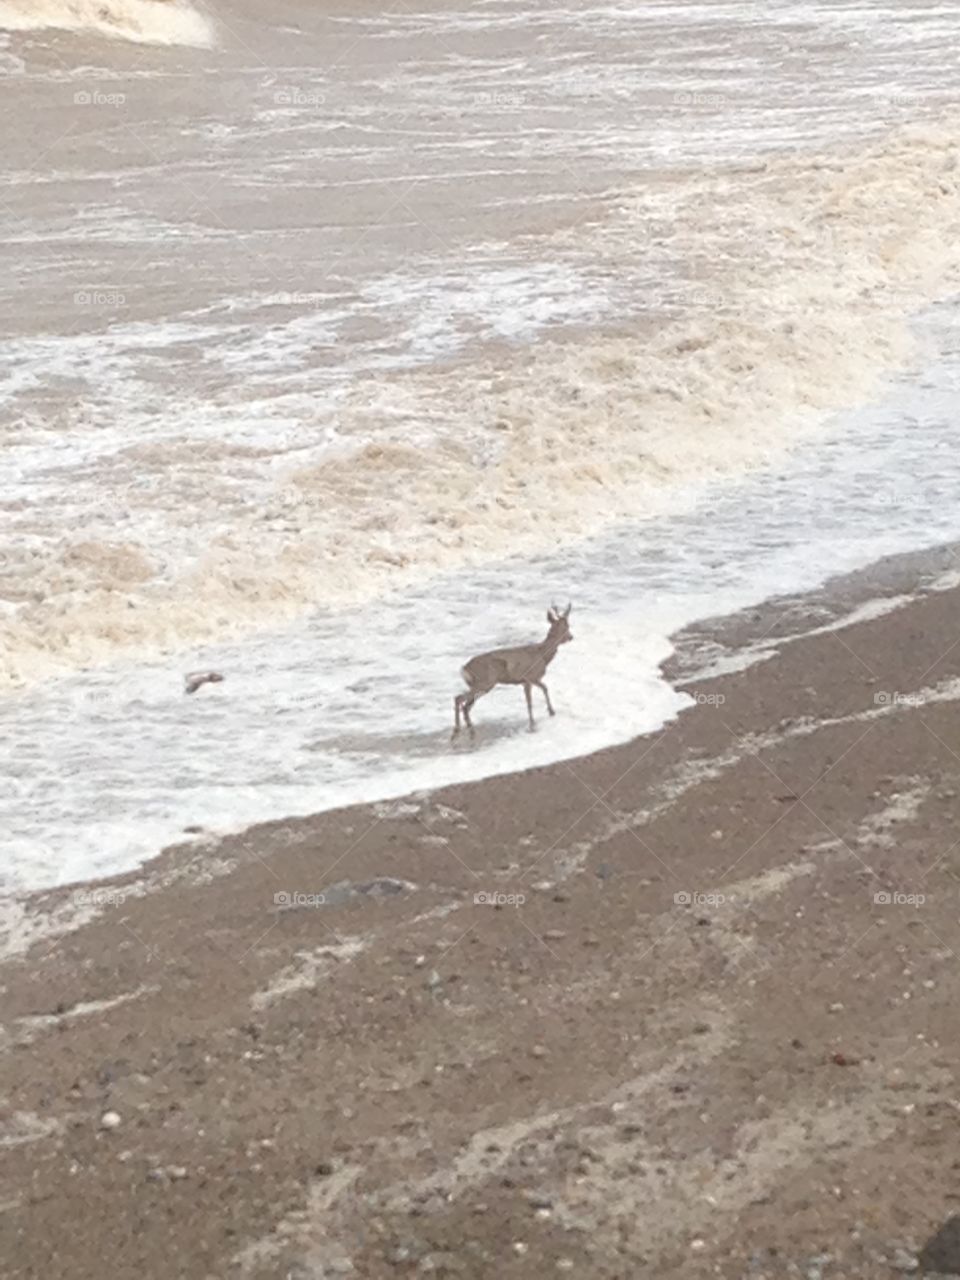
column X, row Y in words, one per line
column 526, row 664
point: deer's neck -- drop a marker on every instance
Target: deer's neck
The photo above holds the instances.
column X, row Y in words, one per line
column 548, row 648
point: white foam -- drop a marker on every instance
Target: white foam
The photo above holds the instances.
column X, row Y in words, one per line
column 303, row 498
column 143, row 21
column 328, row 737
column 353, row 706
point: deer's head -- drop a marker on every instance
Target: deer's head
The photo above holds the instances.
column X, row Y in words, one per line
column 560, row 631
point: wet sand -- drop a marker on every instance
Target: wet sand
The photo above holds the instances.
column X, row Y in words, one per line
column 709, row 1028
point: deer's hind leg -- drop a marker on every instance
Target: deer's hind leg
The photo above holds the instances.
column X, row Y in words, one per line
column 462, row 704
column 541, row 685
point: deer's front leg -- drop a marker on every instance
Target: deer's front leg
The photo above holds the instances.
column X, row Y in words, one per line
column 541, row 685
column 528, row 692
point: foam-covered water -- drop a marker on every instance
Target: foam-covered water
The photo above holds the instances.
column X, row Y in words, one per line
column 331, row 322
column 357, row 704
column 156, row 22
column 214, row 458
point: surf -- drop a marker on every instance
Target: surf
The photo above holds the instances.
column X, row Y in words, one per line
column 161, row 22
column 808, row 271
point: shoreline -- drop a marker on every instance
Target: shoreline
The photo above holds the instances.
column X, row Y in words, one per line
column 402, row 1080
column 704, row 650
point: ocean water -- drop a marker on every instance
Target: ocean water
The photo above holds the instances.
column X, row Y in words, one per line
column 340, row 341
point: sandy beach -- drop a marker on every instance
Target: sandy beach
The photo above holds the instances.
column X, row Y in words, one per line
column 706, row 1026
column 341, row 342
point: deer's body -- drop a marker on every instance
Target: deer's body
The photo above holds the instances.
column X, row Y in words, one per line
column 524, row 664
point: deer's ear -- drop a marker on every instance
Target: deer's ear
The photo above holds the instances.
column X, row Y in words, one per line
column 566, row 612
column 551, row 616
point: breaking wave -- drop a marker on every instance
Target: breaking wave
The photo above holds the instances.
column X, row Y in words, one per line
column 796, row 282
column 143, row 21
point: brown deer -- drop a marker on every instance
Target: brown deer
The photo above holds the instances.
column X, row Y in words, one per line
column 526, row 665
